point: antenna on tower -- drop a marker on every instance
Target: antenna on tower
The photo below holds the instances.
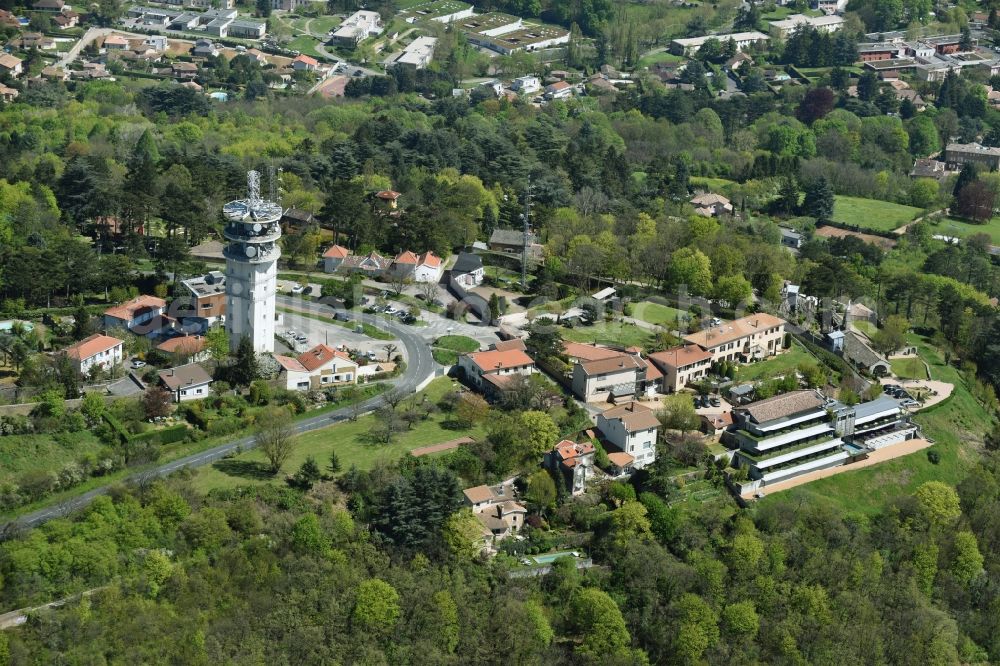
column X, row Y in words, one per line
column 253, row 188
column 273, row 183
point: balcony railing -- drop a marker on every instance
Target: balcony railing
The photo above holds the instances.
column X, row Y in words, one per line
column 789, row 436
column 804, row 466
column 802, row 445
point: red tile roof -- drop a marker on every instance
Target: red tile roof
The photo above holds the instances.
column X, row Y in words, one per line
column 567, row 450
column 185, row 344
column 388, row 195
column 88, row 347
column 680, row 357
column 336, row 252
column 429, row 259
column 584, row 352
column 289, row 363
column 507, row 345
column 652, row 372
column 306, row 60
column 128, row 310
column 406, row 257
column 320, row 355
column 493, row 360
column 620, row 459
column 633, row 416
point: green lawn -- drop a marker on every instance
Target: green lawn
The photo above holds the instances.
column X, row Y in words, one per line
column 306, row 45
column 908, row 368
column 949, row 226
column 30, row 453
column 655, row 58
column 447, row 348
column 626, row 335
column 714, row 184
column 351, row 440
column 775, row 367
column 459, row 343
column 956, row 426
column 872, row 213
column 655, row 313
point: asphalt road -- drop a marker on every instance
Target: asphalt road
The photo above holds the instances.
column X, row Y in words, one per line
column 419, row 366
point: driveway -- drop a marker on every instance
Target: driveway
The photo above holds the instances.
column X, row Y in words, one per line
column 123, row 387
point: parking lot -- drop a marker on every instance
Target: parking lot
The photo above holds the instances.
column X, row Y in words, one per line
column 300, row 333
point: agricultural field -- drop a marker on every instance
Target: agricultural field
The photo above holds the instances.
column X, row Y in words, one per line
column 872, row 213
column 351, row 440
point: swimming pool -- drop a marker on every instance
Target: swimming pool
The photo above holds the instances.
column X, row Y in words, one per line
column 8, row 325
column 552, row 557
column 219, row 96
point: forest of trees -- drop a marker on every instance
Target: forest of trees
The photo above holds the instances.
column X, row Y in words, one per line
column 274, row 576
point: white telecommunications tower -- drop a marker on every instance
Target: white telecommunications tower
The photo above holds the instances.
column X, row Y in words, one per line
column 252, row 231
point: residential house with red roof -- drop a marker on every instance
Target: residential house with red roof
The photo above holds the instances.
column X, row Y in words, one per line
column 574, row 462
column 317, row 368
column 681, row 365
column 334, row 257
column 143, row 315
column 743, row 340
column 96, row 351
column 488, row 371
column 632, row 429
column 497, row 509
column 426, row 267
column 304, row 63
column 184, row 348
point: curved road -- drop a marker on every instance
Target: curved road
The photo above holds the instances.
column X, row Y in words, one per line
column 419, row 366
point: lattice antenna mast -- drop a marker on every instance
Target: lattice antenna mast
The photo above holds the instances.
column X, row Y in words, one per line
column 253, row 188
column 272, row 177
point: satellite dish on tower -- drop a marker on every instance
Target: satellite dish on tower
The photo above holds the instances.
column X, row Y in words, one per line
column 257, row 228
column 251, row 251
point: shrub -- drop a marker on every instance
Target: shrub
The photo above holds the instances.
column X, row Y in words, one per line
column 933, row 457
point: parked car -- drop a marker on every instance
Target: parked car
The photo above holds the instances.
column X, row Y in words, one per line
column 715, row 401
column 298, row 289
column 341, row 316
column 136, row 364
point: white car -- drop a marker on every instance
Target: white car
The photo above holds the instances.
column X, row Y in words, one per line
column 136, row 364
column 298, row 289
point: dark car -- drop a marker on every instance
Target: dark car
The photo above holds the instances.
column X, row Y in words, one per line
column 714, row 401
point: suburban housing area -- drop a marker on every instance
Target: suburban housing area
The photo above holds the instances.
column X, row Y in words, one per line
column 431, row 332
